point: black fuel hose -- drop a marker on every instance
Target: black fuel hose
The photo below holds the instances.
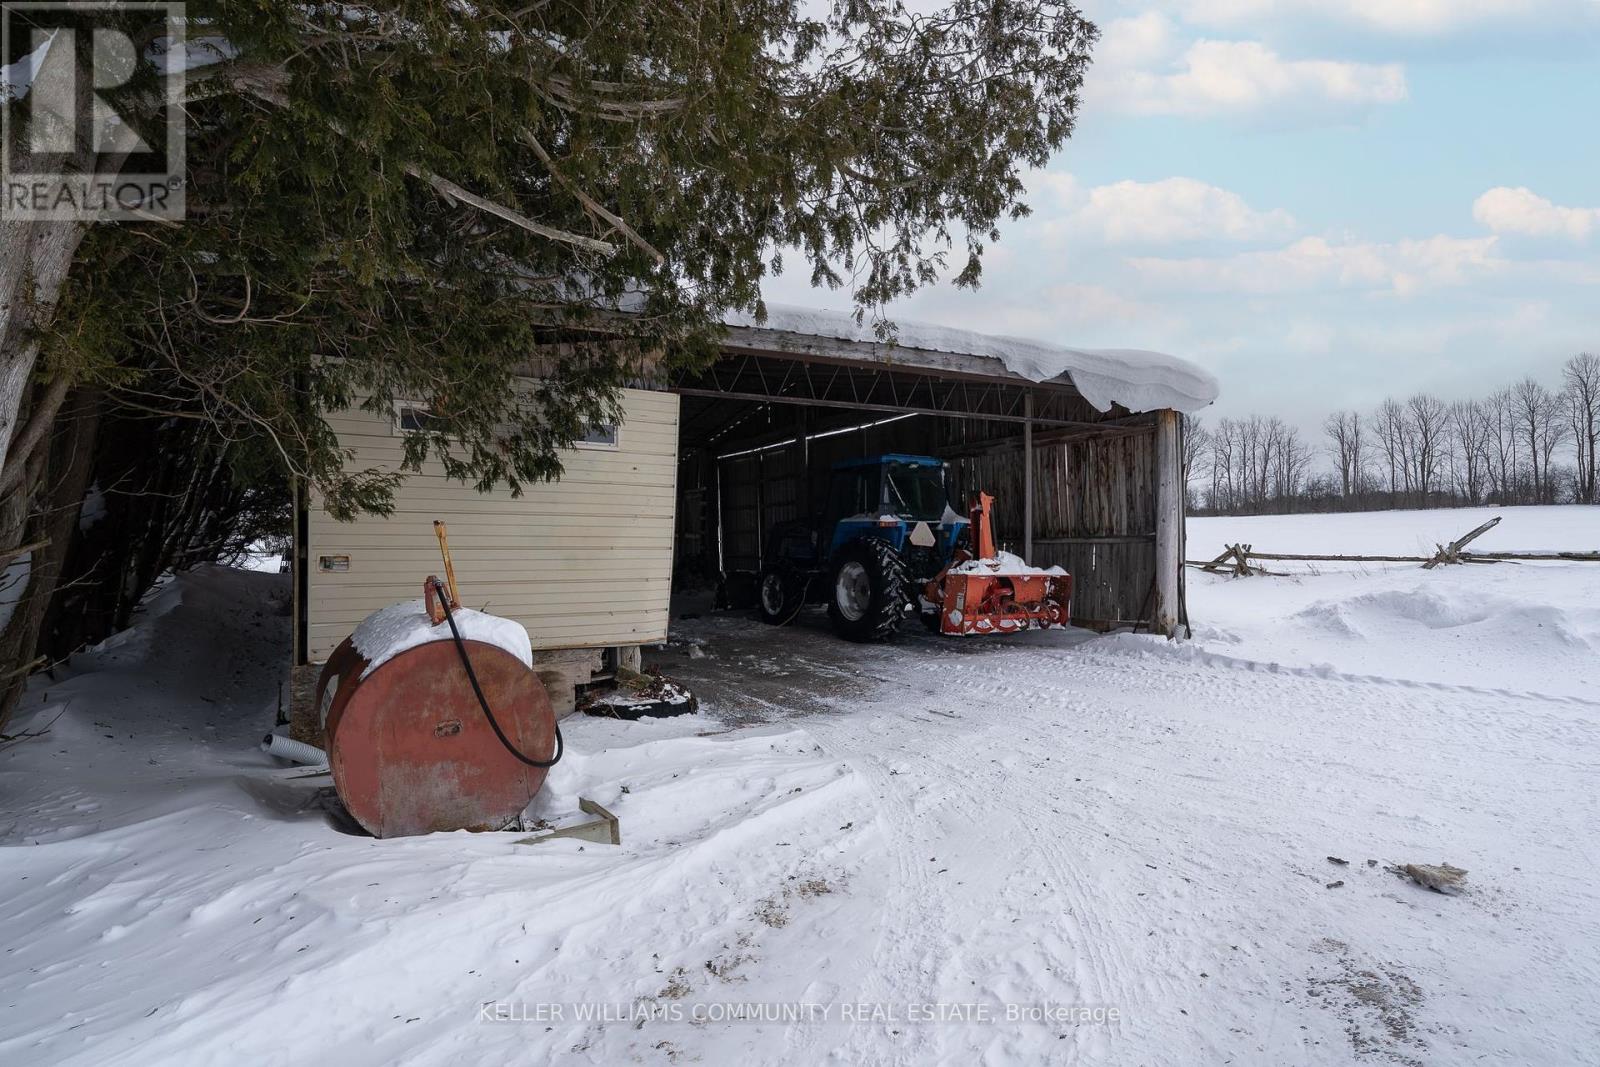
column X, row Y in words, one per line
column 472, row 676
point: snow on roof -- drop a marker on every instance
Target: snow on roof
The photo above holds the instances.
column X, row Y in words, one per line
column 1136, row 379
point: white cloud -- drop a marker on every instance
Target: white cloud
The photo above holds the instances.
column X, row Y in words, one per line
column 1145, row 40
column 1081, row 304
column 1401, row 17
column 1522, row 211
column 1317, row 264
column 1238, row 78
column 1177, row 209
column 1168, row 211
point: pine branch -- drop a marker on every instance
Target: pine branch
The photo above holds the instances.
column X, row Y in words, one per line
column 527, row 137
column 258, row 84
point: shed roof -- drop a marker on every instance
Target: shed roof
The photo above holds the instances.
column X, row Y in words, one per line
column 1138, row 380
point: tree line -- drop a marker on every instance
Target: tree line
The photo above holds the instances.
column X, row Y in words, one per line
column 1528, row 443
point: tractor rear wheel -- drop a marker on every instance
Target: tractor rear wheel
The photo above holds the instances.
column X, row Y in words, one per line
column 867, row 591
column 779, row 593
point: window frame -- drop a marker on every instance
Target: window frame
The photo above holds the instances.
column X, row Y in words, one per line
column 613, row 445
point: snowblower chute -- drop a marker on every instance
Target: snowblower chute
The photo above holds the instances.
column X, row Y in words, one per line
column 986, row 591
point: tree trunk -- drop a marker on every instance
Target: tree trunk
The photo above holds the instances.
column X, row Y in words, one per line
column 60, row 476
column 34, row 260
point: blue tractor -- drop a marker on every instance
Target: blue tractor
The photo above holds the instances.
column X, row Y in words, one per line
column 888, row 528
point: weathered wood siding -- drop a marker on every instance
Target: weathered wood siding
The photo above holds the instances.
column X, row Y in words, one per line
column 1094, row 515
column 582, row 562
column 1094, row 499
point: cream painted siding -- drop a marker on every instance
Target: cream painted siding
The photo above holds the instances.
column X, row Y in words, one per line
column 583, row 562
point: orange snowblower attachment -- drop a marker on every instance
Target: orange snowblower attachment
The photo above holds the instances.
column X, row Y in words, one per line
column 993, row 592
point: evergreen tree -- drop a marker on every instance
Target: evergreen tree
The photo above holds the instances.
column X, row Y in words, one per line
column 415, row 200
column 420, row 201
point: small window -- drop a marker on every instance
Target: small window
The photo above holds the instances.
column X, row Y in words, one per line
column 600, row 436
column 414, row 418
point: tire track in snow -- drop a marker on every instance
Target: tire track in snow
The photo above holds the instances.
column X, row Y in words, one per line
column 1038, row 695
column 929, row 933
column 1191, row 653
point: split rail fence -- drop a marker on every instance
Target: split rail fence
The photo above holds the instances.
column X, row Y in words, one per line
column 1236, row 559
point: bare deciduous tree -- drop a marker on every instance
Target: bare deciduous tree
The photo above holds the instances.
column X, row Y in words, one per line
column 1537, row 412
column 1582, row 377
column 1389, row 427
column 1470, row 434
column 1347, row 446
column 1196, row 449
column 1426, row 420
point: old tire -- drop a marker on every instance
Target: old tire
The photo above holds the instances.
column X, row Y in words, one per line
column 867, row 591
column 779, row 594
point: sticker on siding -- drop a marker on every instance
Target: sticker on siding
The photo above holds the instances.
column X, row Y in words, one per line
column 333, row 563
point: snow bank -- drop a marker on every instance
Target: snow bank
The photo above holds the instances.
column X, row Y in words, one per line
column 1136, row 379
column 177, row 898
column 1529, row 627
column 385, row 634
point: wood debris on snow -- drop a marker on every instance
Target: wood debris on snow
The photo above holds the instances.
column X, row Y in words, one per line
column 1441, row 878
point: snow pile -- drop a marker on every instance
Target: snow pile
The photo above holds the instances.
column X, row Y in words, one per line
column 1005, row 565
column 176, row 897
column 1136, row 379
column 1530, row 627
column 385, row 634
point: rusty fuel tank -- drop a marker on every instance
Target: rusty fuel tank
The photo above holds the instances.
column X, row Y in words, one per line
column 410, row 747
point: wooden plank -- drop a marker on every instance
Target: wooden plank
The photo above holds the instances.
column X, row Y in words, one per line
column 1253, row 554
column 1027, row 479
column 1475, row 557
column 1451, row 553
column 1111, row 539
column 1169, row 524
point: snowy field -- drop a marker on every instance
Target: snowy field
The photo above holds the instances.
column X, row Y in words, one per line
column 1055, row 848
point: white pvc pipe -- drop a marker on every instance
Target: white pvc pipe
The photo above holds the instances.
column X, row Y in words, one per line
column 294, row 751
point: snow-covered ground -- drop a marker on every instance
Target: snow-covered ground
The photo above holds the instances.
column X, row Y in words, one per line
column 1400, row 533
column 1054, row 847
column 1504, row 628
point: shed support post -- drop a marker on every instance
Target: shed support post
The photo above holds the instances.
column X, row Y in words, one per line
column 1027, row 478
column 802, row 479
column 1169, row 523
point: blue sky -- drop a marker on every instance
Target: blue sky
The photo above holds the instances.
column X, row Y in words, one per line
column 1322, row 201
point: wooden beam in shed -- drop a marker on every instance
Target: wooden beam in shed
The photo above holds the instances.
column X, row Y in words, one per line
column 1123, row 427
column 1169, row 524
column 890, row 409
column 1027, row 478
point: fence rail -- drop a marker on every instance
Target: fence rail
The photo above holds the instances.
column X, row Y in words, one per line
column 1235, row 559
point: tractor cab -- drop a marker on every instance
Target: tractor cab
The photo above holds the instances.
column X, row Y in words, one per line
column 902, row 499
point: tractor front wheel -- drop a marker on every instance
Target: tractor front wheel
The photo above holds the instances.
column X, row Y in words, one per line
column 867, row 591
column 779, row 594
